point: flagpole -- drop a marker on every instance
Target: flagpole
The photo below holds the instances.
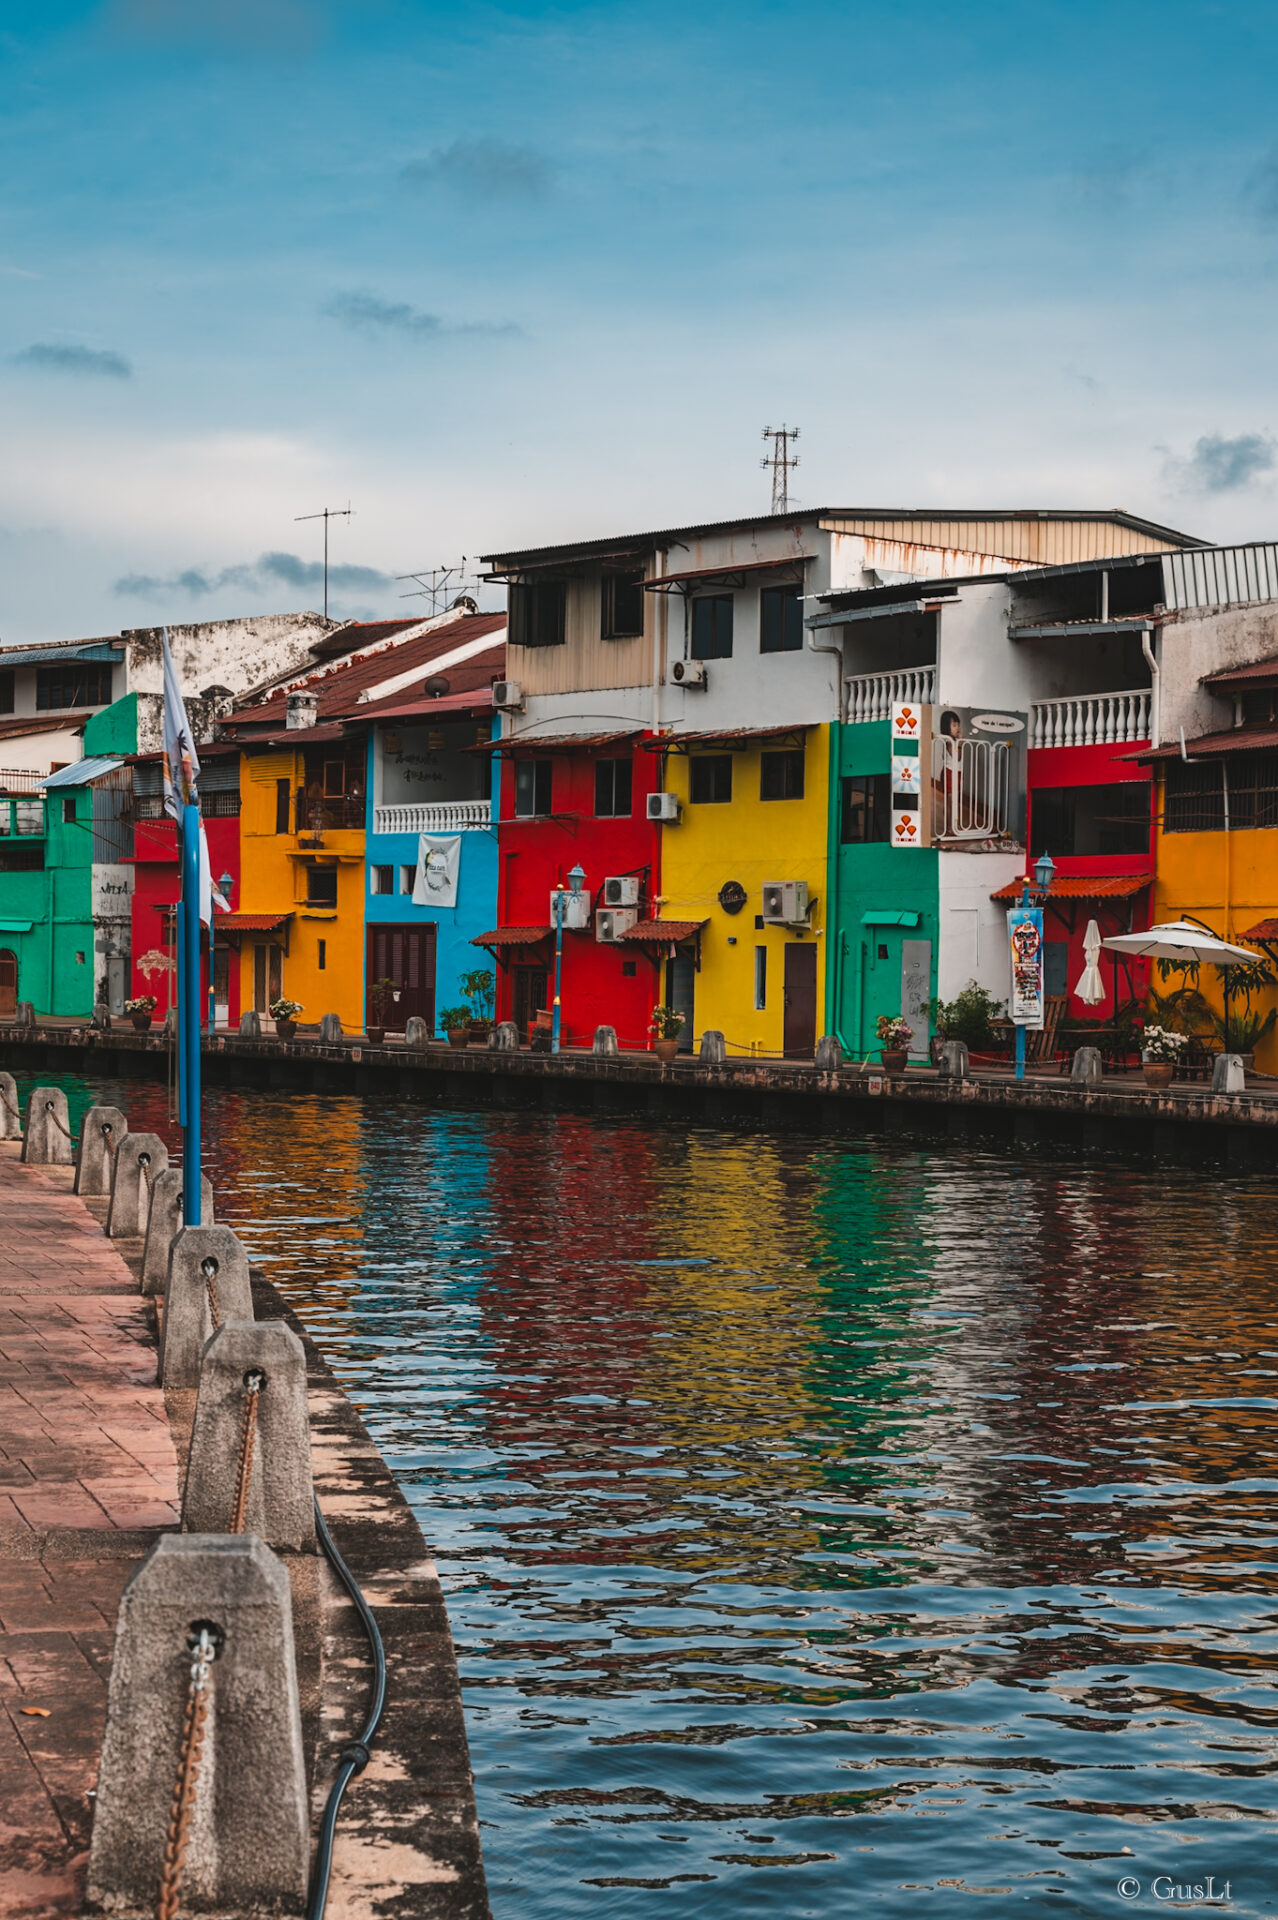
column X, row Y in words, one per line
column 189, row 1011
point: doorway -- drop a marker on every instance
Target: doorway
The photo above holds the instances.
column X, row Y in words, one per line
column 798, row 1033
column 682, row 988
column 529, row 985
column 8, row 980
column 268, row 976
column 222, row 985
column 406, row 955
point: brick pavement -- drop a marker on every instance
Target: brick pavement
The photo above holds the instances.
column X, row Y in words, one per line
column 88, row 1478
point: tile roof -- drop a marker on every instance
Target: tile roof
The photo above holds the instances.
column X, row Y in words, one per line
column 1263, row 930
column 249, row 922
column 512, row 937
column 1084, row 886
column 662, row 930
column 340, row 685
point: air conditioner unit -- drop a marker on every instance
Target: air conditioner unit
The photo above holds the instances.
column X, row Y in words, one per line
column 611, row 923
column 576, row 910
column 508, row 695
column 785, row 903
column 665, row 806
column 688, row 673
column 622, row 892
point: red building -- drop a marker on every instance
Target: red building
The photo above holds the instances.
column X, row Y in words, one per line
column 570, row 800
column 157, row 883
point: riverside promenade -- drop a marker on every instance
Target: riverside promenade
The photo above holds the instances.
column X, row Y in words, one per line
column 91, row 1459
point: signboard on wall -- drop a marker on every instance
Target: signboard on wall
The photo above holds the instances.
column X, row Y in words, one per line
column 421, row 764
column 909, row 740
column 977, row 765
column 916, row 990
column 1025, row 940
column 112, row 892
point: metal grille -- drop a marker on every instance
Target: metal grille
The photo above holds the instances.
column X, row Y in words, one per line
column 1193, row 797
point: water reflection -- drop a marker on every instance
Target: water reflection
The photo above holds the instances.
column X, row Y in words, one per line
column 826, row 1529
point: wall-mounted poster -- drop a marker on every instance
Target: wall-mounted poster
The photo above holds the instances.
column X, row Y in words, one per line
column 909, row 740
column 978, row 779
column 1025, row 938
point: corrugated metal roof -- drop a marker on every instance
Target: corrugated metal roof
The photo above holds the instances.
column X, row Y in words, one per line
column 1231, row 740
column 339, row 686
column 44, row 656
column 81, row 772
column 1260, row 672
column 1221, row 576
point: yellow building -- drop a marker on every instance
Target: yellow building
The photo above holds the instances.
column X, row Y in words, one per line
column 754, row 816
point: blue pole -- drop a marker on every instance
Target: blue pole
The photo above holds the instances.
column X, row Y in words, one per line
column 189, row 1011
column 559, row 960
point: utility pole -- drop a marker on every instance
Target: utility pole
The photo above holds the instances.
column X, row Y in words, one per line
column 780, row 460
column 436, row 584
column 329, row 513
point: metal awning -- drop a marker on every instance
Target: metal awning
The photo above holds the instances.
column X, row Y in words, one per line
column 58, row 656
column 553, row 742
column 843, row 616
column 80, row 773
column 891, row 919
column 736, row 739
column 726, row 575
column 16, row 926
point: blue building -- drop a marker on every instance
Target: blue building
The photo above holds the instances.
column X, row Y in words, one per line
column 431, row 838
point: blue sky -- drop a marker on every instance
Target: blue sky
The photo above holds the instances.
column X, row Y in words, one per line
column 526, row 273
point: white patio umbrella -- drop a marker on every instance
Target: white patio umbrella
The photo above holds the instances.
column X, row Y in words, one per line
column 1182, row 940
column 1091, row 988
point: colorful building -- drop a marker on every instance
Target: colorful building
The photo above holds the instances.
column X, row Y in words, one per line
column 157, row 881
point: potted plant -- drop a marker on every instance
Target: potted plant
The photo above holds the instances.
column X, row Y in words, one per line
column 456, row 1024
column 140, row 1010
column 479, row 988
column 969, row 1017
column 665, row 1026
column 1161, row 1050
column 381, row 997
column 284, row 1013
column 895, row 1037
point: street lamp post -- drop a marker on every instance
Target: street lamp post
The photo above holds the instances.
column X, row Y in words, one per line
column 1044, row 870
column 576, row 879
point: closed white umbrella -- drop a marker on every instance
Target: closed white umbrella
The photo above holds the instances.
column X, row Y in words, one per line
column 1091, row 988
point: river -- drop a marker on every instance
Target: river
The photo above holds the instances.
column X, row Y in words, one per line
column 826, row 1528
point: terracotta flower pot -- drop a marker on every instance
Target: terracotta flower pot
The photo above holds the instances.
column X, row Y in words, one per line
column 374, row 1035
column 1158, row 1073
column 894, row 1058
column 142, row 1021
column 665, row 1049
column 285, row 1029
column 477, row 1033
column 459, row 1037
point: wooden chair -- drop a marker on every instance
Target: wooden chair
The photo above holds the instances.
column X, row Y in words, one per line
column 1041, row 1046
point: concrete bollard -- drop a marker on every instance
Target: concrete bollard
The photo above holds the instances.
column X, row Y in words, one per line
column 829, row 1054
column 10, row 1113
column 24, row 1014
column 140, row 1158
column 955, row 1061
column 165, row 1222
column 416, row 1033
column 251, row 1025
column 1227, row 1074
column 1087, row 1069
column 279, row 1508
column 504, row 1037
column 100, row 1020
column 713, row 1050
column 47, row 1141
column 330, row 1030
column 208, row 1282
column 606, row 1043
column 249, row 1826
column 101, row 1132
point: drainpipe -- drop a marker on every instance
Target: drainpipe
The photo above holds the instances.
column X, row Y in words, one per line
column 1155, row 678
column 833, row 931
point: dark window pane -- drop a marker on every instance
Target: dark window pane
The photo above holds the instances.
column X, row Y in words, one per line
column 781, row 620
column 612, row 788
column 712, row 627
column 622, row 606
column 711, row 777
column 321, row 886
column 68, row 809
column 532, row 788
column 81, row 683
column 281, row 806
column 536, row 613
column 6, row 692
column 866, row 809
column 781, row 775
column 1091, row 820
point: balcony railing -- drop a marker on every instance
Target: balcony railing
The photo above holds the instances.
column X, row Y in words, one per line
column 433, row 816
column 872, row 696
column 1091, row 719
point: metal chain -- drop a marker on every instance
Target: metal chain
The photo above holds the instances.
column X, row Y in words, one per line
column 144, row 1163
column 9, row 1104
column 50, row 1110
column 107, row 1141
column 209, row 1270
column 203, row 1651
column 253, row 1384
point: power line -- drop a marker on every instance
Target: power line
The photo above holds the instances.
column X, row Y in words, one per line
column 780, row 460
column 436, row 584
column 329, row 513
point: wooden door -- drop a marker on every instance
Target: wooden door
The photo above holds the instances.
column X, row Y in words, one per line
column 8, row 981
column 681, row 987
column 798, row 1034
column 530, row 986
column 406, row 955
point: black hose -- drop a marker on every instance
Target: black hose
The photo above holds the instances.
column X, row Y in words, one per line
column 354, row 1756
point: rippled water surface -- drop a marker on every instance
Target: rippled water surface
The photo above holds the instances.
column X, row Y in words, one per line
column 826, row 1529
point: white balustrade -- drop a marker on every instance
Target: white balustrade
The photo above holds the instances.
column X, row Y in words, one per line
column 872, row 696
column 433, row 816
column 1091, row 719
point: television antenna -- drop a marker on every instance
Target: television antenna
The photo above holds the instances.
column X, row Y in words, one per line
column 439, row 585
column 780, row 460
column 329, row 513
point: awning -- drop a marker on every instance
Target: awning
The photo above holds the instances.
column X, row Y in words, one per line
column 512, row 937
column 1263, row 930
column 891, row 919
column 80, row 773
column 1082, row 886
column 249, row 922
column 727, row 574
column 16, row 926
column 1231, row 740
column 742, row 737
column 554, row 742
column 1261, row 673
column 324, row 735
column 56, row 656
column 662, row 932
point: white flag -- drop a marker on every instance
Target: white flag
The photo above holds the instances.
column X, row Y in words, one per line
column 438, row 859
column 210, row 896
column 181, row 762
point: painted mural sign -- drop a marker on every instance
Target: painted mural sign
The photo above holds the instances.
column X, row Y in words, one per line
column 1025, row 938
column 430, row 763
column 978, row 779
column 112, row 892
column 909, row 733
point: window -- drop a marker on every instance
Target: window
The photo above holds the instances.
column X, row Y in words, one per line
column 321, row 886
column 1253, row 790
column 1090, row 820
column 1258, row 709
column 612, row 788
column 81, row 683
column 629, row 969
column 781, row 775
column 383, row 880
column 712, row 627
column 68, row 809
column 710, row 777
column 1195, row 790
column 781, row 620
column 407, row 879
column 621, row 607
column 536, row 613
column 220, row 806
column 867, row 809
column 760, row 978
column 282, row 798
column 321, row 955
column 6, row 692
column 532, row 787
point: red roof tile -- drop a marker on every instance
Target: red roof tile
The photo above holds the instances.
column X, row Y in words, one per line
column 511, row 937
column 1083, row 886
column 249, row 922
column 661, row 931
column 1263, row 930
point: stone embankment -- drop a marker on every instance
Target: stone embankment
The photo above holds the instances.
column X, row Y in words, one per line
column 93, row 1460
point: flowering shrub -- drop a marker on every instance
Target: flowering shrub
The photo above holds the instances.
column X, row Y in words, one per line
column 1160, row 1043
column 285, row 1009
column 666, row 1023
column 894, row 1032
column 144, row 1003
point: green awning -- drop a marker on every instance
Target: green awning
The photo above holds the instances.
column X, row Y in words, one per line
column 16, row 926
column 891, row 919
